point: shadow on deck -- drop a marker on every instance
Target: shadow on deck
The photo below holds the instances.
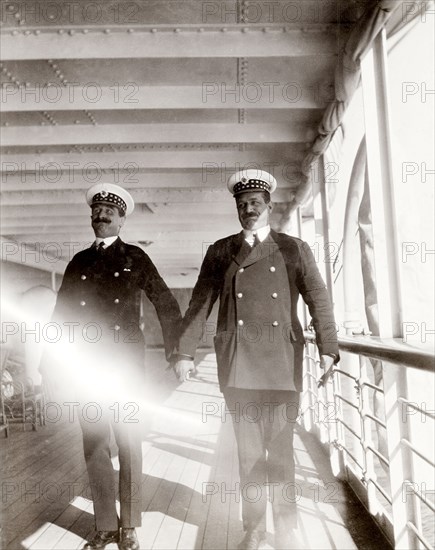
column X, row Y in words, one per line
column 190, row 480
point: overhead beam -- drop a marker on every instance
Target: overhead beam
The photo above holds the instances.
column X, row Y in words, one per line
column 211, row 95
column 49, row 44
column 192, row 195
column 210, row 177
column 155, row 133
column 86, row 163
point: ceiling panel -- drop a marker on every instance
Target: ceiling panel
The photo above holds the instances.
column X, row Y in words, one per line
column 166, row 97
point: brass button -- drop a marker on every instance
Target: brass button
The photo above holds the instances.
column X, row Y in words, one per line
column 239, row 295
column 83, row 277
column 241, row 270
column 116, row 327
column 274, row 295
column 116, row 300
column 272, row 269
column 240, row 323
column 82, row 303
column 116, row 274
column 275, row 324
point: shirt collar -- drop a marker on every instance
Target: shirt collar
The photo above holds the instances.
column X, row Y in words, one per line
column 107, row 241
column 261, row 233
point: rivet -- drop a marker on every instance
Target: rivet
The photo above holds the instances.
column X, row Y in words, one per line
column 71, row 32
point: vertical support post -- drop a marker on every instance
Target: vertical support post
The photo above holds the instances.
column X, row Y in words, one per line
column 379, row 163
column 320, row 204
column 53, row 281
column 395, row 386
column 366, row 436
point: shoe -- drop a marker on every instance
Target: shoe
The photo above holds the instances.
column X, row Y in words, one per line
column 128, row 540
column 252, row 540
column 101, row 539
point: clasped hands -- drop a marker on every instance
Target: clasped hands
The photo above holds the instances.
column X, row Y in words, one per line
column 183, row 368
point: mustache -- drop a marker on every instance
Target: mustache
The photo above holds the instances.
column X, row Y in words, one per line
column 101, row 220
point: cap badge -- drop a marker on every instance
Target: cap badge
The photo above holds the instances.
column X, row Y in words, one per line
column 104, row 193
column 244, row 180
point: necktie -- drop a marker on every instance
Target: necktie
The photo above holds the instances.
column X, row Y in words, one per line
column 100, row 247
column 256, row 240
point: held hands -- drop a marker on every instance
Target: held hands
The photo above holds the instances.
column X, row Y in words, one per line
column 183, row 368
column 327, row 364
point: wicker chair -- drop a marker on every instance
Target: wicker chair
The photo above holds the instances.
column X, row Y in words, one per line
column 22, row 401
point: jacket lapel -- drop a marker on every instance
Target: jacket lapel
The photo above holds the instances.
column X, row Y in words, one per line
column 263, row 250
column 242, row 247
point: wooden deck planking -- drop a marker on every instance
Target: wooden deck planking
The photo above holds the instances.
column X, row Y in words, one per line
column 182, row 451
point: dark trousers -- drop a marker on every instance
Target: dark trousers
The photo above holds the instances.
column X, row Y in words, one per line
column 263, row 424
column 96, row 445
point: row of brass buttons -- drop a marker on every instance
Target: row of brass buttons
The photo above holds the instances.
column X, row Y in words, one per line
column 83, row 277
column 115, row 301
column 240, row 322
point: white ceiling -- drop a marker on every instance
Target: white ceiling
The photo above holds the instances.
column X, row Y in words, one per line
column 165, row 97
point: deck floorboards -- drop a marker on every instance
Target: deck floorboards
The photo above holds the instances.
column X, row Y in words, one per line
column 186, row 456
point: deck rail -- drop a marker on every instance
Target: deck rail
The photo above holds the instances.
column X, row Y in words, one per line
column 379, row 440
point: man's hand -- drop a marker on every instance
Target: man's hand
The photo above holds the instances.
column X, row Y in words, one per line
column 327, row 364
column 182, row 368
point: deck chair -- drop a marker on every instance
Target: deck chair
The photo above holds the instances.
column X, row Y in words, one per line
column 23, row 401
column 4, row 424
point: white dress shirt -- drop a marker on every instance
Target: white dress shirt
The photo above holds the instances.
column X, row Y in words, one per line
column 261, row 233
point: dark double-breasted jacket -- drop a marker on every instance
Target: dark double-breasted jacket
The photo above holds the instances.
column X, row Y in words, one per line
column 259, row 339
column 99, row 303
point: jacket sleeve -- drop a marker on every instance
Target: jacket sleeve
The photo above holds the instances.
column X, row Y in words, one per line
column 315, row 295
column 204, row 295
column 167, row 308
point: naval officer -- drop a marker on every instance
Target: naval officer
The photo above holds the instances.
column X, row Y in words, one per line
column 100, row 298
column 258, row 276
